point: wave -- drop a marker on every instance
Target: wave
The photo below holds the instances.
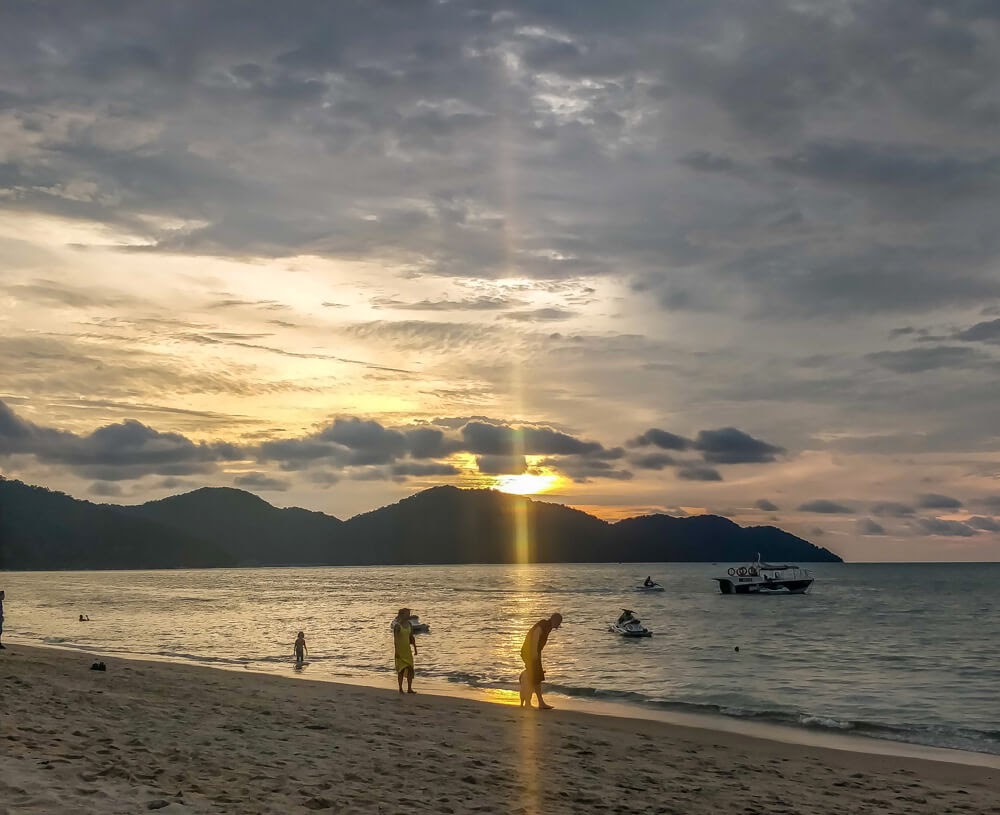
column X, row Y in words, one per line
column 946, row 736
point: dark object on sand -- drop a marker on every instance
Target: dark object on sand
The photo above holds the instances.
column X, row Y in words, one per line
column 98, row 666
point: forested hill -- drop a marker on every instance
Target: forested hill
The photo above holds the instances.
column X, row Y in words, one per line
column 42, row 529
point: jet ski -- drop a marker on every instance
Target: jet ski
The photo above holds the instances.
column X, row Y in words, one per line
column 630, row 626
column 650, row 587
column 416, row 626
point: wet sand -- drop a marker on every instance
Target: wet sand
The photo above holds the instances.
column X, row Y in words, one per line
column 147, row 736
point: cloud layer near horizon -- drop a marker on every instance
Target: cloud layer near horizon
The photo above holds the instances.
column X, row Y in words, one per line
column 699, row 253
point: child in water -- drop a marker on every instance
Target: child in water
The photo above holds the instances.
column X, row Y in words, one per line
column 300, row 648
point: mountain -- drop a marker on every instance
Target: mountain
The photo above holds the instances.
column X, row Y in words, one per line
column 710, row 538
column 249, row 529
column 41, row 529
column 450, row 525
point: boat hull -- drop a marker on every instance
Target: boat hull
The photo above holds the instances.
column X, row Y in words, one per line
column 727, row 586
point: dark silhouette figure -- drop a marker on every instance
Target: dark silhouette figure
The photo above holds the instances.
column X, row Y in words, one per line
column 403, row 641
column 531, row 655
column 84, row 618
column 2, row 595
column 301, row 650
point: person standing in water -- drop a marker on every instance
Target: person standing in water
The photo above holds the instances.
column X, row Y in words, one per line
column 2, row 595
column 300, row 648
column 531, row 655
column 403, row 641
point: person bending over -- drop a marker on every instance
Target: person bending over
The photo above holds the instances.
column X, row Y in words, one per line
column 531, row 655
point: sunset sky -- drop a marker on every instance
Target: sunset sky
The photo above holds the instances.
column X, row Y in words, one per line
column 680, row 256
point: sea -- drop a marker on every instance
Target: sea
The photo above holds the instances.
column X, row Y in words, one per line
column 903, row 652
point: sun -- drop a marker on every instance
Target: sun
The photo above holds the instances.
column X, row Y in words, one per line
column 526, row 483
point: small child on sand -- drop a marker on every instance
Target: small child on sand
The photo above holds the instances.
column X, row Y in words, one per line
column 300, row 648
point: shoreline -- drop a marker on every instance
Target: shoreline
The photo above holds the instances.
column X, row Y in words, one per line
column 192, row 739
column 719, row 724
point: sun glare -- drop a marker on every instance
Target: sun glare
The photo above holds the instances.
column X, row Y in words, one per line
column 526, row 483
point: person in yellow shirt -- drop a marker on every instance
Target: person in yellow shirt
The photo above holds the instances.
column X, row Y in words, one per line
column 531, row 655
column 403, row 641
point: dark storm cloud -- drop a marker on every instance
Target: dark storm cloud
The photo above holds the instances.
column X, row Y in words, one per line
column 728, row 445
column 261, row 481
column 866, row 526
column 950, row 529
column 933, row 500
column 697, row 472
column 765, row 505
column 826, row 507
column 891, row 509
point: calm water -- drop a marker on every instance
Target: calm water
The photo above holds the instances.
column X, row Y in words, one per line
column 905, row 652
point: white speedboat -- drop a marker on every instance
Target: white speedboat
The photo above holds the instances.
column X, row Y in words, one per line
column 765, row 578
column 416, row 626
column 628, row 625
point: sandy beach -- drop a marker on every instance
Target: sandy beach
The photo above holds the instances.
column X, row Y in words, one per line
column 174, row 738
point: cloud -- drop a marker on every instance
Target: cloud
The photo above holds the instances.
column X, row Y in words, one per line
column 501, row 464
column 490, row 439
column 826, row 507
column 891, row 509
column 765, row 505
column 368, row 442
column 105, row 489
column 423, row 469
column 866, row 526
column 950, row 529
column 261, row 481
column 114, row 452
column 984, row 523
column 731, row 446
column 652, row 461
column 662, row 439
column 933, row 500
column 918, row 360
column 697, row 472
column 988, row 331
column 899, row 170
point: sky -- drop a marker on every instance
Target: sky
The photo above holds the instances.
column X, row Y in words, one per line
column 686, row 256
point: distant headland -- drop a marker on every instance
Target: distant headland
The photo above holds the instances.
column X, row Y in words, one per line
column 219, row 527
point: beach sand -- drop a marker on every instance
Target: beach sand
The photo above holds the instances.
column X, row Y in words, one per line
column 147, row 736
